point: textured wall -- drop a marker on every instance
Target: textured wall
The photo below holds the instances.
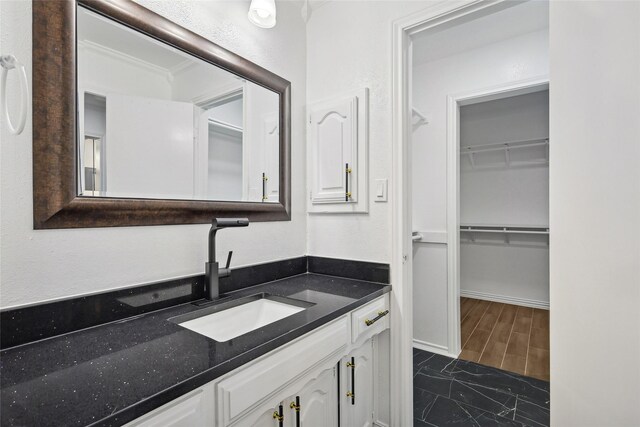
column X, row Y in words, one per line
column 348, row 48
column 594, row 213
column 41, row 265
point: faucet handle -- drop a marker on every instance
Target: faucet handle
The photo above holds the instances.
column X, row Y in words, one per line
column 229, row 259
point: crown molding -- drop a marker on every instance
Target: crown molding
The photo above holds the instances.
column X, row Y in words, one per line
column 123, row 57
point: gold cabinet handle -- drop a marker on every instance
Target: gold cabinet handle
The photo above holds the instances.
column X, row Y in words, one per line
column 279, row 416
column 296, row 407
column 380, row 315
column 347, row 173
column 264, row 187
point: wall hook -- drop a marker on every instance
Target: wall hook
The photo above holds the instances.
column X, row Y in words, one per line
column 9, row 62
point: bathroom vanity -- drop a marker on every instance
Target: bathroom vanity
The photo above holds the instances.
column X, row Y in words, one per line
column 336, row 372
column 326, row 361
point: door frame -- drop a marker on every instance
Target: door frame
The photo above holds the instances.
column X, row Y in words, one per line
column 401, row 242
column 454, row 102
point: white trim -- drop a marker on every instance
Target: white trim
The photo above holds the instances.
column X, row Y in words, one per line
column 228, row 90
column 525, row 302
column 453, row 227
column 123, row 57
column 400, row 195
column 454, row 102
column 434, row 348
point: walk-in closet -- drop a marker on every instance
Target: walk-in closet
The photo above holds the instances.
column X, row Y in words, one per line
column 504, row 232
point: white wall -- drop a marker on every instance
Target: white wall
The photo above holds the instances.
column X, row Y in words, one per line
column 348, row 48
column 510, row 60
column 102, row 74
column 41, row 265
column 594, row 213
column 517, row 271
column 505, row 196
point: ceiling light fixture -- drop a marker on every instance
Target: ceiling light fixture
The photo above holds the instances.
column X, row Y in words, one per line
column 263, row 13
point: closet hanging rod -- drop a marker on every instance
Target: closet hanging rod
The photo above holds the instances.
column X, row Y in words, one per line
column 500, row 146
column 225, row 125
column 506, row 229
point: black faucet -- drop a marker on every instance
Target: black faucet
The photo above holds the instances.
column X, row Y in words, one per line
column 211, row 271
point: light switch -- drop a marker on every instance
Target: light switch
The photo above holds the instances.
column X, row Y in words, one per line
column 381, row 190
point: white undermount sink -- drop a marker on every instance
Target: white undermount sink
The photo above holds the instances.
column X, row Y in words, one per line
column 235, row 321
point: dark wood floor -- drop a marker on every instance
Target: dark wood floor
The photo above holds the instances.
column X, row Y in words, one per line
column 505, row 336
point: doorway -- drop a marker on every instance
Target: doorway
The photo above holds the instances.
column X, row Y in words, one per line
column 503, row 213
column 479, row 52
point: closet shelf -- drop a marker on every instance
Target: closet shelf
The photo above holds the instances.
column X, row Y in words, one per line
column 506, row 148
column 506, row 230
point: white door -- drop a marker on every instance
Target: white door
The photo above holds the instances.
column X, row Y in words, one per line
column 151, row 148
column 356, row 387
column 334, row 141
column 271, row 156
column 317, row 401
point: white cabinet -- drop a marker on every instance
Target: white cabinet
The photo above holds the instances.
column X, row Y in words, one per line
column 313, row 404
column 357, row 388
column 269, row 414
column 337, row 135
column 301, row 384
column 316, row 402
column 276, row 375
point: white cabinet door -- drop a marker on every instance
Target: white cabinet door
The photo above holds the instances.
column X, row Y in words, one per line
column 334, row 144
column 317, row 400
column 265, row 416
column 315, row 404
column 357, row 387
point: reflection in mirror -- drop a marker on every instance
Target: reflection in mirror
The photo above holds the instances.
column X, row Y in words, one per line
column 155, row 122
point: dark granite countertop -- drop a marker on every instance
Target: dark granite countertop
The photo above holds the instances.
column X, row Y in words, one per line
column 113, row 373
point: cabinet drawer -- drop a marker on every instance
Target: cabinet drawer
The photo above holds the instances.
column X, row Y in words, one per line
column 247, row 387
column 370, row 319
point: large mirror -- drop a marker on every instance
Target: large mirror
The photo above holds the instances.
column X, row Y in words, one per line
column 155, row 122
column 138, row 121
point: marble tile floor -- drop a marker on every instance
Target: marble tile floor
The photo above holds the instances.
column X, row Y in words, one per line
column 455, row 392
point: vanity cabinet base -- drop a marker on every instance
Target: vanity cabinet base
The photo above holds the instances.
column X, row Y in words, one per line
column 335, row 375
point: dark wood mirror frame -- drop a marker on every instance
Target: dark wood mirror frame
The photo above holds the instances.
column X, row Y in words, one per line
column 56, row 203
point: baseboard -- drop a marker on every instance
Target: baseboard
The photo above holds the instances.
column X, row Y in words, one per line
column 433, row 348
column 505, row 299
